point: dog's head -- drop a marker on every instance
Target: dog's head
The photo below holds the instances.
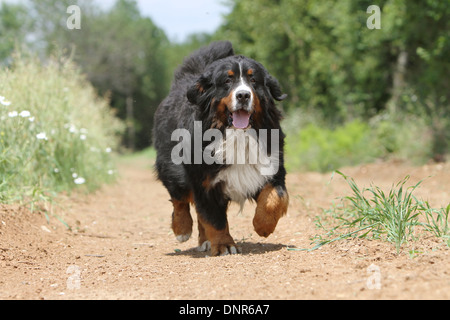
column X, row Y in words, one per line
column 237, row 92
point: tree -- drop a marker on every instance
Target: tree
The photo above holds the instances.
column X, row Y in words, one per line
column 14, row 23
column 429, row 67
column 130, row 62
column 122, row 53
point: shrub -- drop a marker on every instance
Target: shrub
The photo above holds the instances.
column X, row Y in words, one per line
column 313, row 144
column 55, row 133
column 318, row 148
column 408, row 138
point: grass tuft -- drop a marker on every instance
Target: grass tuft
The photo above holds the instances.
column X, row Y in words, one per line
column 371, row 212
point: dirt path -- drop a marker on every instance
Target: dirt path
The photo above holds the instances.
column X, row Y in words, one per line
column 121, row 247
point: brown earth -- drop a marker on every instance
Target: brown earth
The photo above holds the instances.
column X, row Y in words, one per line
column 121, row 247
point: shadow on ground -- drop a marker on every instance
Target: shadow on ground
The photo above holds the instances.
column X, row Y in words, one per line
column 247, row 248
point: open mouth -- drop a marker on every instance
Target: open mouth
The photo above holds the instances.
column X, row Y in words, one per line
column 240, row 119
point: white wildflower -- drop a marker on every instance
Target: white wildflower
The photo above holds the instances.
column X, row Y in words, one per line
column 108, row 150
column 83, row 137
column 31, row 119
column 25, row 114
column 42, row 136
column 13, row 114
column 80, row 181
column 4, row 102
column 74, row 175
column 72, row 129
column 110, row 172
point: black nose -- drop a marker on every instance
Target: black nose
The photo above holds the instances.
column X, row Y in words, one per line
column 243, row 96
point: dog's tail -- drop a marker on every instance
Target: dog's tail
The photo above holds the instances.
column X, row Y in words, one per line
column 200, row 59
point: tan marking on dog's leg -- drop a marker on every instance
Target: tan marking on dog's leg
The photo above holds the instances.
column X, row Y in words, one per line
column 270, row 207
column 203, row 242
column 220, row 241
column 181, row 220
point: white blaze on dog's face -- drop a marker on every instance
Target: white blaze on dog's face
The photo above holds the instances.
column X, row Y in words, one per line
column 242, row 102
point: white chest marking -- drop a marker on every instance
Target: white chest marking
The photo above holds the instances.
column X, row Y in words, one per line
column 243, row 179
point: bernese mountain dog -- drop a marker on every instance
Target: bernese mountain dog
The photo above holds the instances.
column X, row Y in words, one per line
column 217, row 98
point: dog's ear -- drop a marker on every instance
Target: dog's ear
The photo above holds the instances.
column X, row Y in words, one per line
column 274, row 88
column 197, row 90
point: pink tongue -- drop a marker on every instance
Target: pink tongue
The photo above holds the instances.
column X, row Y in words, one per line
column 241, row 119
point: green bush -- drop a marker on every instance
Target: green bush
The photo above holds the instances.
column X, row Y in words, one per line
column 313, row 144
column 318, row 148
column 55, row 133
column 409, row 138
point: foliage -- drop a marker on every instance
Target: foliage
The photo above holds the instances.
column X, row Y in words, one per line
column 388, row 87
column 311, row 144
column 122, row 53
column 327, row 60
column 13, row 25
column 55, row 133
column 132, row 69
column 320, row 149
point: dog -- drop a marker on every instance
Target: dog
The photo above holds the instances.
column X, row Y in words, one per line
column 215, row 91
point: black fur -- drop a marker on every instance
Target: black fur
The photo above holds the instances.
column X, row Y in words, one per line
column 199, row 86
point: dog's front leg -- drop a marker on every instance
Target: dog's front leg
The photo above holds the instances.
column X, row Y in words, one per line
column 272, row 204
column 213, row 224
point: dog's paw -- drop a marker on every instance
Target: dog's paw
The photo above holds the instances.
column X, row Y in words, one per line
column 181, row 221
column 183, row 237
column 225, row 249
column 272, row 204
column 219, row 250
column 205, row 246
column 264, row 225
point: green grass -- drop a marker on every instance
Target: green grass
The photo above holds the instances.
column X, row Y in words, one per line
column 56, row 134
column 393, row 216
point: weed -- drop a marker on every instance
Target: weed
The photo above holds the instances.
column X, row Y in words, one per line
column 437, row 221
column 370, row 212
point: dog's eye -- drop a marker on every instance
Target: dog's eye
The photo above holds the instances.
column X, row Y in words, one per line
column 228, row 81
column 252, row 80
